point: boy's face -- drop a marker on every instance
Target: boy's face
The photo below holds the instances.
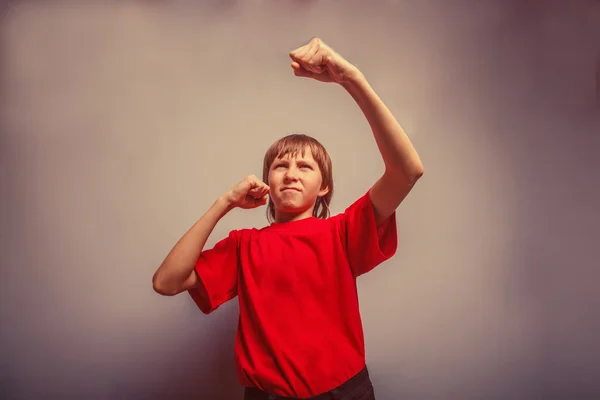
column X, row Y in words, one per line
column 295, row 185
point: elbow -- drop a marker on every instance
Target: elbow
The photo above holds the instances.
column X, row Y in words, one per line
column 407, row 174
column 414, row 174
column 417, row 173
column 159, row 287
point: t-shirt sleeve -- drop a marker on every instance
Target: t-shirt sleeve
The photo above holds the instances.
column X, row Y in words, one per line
column 218, row 271
column 367, row 246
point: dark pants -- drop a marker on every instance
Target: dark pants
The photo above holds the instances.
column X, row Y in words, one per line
column 359, row 387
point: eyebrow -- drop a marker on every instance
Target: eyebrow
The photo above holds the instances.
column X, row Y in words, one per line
column 285, row 160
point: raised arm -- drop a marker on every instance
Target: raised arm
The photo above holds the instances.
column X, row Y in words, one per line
column 403, row 165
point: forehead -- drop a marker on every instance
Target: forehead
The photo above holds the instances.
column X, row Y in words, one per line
column 298, row 156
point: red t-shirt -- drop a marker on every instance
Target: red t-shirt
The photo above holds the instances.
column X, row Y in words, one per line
column 299, row 331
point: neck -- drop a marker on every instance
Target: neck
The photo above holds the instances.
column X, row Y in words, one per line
column 283, row 217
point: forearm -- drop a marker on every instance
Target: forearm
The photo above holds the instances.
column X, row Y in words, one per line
column 397, row 151
column 179, row 264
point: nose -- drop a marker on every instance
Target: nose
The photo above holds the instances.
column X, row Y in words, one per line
column 291, row 173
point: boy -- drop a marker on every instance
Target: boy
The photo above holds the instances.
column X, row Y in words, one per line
column 299, row 333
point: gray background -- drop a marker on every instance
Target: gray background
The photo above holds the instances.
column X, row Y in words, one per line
column 122, row 122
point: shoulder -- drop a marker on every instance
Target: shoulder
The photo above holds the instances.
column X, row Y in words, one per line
column 359, row 207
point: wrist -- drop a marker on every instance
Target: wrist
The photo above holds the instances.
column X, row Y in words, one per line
column 354, row 78
column 356, row 85
column 224, row 202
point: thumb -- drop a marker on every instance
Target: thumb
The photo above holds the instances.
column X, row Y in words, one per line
column 262, row 201
column 304, row 73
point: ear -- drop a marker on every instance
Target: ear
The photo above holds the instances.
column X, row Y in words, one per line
column 323, row 192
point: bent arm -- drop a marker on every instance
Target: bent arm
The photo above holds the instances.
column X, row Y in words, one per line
column 403, row 166
column 177, row 272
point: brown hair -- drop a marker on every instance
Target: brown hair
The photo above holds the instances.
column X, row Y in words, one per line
column 291, row 145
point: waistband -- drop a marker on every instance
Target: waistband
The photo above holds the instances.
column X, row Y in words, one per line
column 355, row 384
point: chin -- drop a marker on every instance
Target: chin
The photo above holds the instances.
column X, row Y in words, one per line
column 289, row 207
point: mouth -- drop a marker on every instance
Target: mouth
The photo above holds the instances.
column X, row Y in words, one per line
column 288, row 189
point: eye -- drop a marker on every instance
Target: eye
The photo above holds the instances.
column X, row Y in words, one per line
column 306, row 166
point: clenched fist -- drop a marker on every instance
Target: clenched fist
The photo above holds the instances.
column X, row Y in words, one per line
column 318, row 61
column 251, row 192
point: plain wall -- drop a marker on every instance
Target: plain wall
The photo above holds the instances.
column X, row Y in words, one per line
column 122, row 122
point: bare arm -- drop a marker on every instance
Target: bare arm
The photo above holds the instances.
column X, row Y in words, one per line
column 177, row 272
column 403, row 166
